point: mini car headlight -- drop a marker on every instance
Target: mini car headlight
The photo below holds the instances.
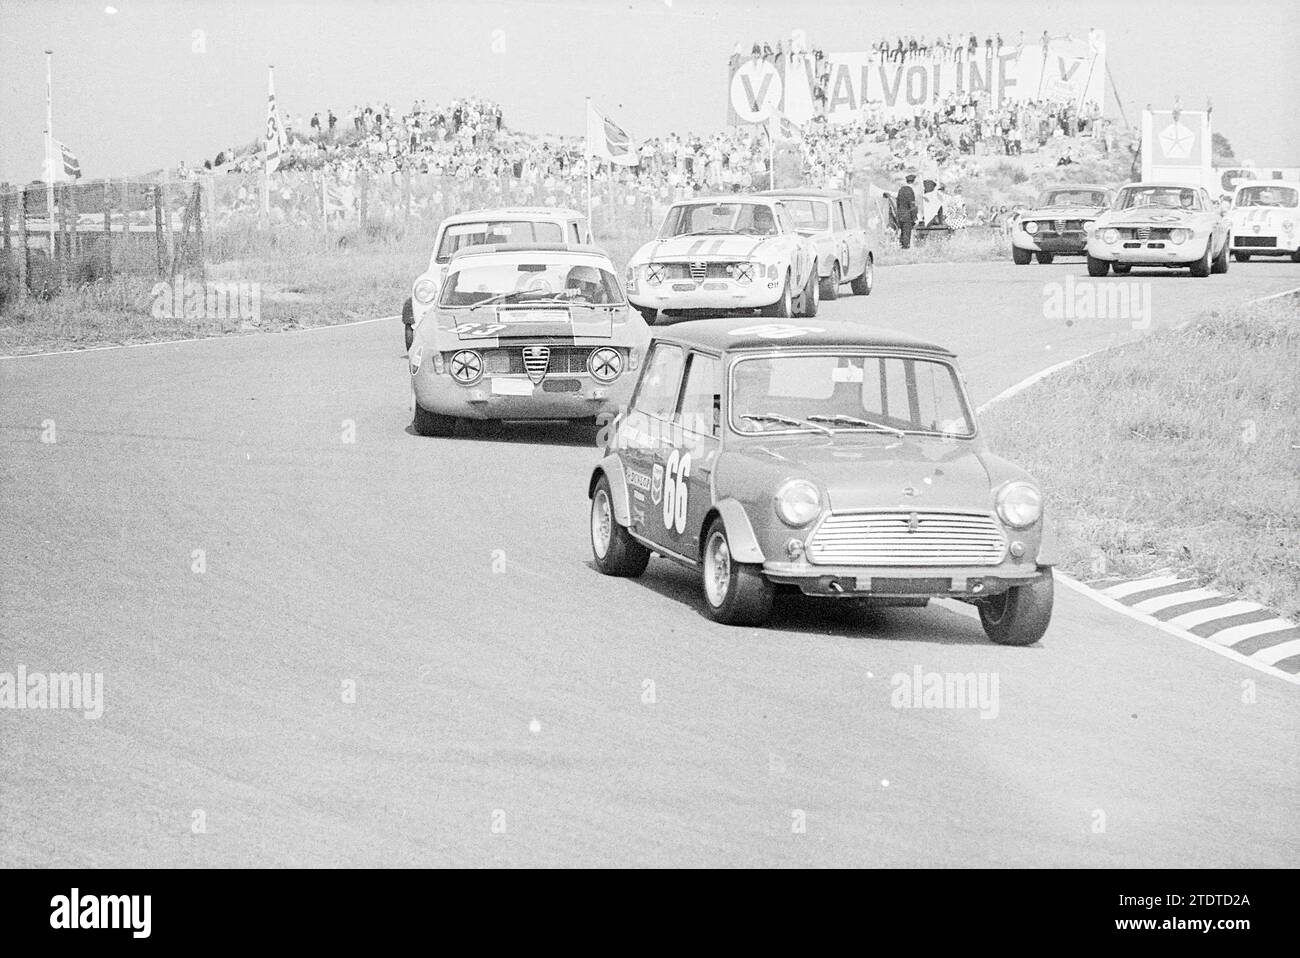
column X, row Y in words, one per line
column 1031, row 227
column 1110, row 235
column 1179, row 236
column 798, row 502
column 466, row 367
column 604, row 364
column 1020, row 504
column 426, row 290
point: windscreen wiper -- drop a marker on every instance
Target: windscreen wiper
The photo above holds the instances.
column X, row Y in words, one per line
column 856, row 421
column 786, row 420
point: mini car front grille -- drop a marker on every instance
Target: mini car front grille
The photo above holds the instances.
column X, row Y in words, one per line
column 908, row 539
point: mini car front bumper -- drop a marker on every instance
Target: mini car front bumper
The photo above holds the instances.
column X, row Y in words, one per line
column 903, row 581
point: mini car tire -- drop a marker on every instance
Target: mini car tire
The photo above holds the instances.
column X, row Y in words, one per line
column 1098, row 267
column 863, row 285
column 1245, row 257
column 408, row 321
column 427, row 423
column 783, row 308
column 811, row 297
column 735, row 593
column 1021, row 257
column 831, row 284
column 1020, row 615
column 624, row 556
column 1045, row 259
column 1220, row 264
column 649, row 314
column 1122, row 269
column 1202, row 266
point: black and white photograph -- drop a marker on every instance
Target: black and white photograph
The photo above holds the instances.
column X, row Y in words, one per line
column 651, row 434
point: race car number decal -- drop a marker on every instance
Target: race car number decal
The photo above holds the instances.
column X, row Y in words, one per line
column 480, row 329
column 675, row 492
column 776, row 330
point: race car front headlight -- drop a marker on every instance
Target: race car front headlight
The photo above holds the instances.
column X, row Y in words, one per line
column 1110, row 235
column 1179, row 236
column 654, row 274
column 1031, row 227
column 1020, row 504
column 742, row 273
column 605, row 364
column 466, row 367
column 798, row 502
column 426, row 290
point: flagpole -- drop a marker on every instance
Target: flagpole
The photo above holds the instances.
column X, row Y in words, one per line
column 587, row 160
column 266, row 169
column 49, row 150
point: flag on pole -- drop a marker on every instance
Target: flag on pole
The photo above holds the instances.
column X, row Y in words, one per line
column 71, row 165
column 275, row 139
column 781, row 127
column 606, row 140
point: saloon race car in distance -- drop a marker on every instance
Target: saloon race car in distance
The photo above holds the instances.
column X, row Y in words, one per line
column 1058, row 223
column 840, row 460
column 525, row 332
column 1265, row 221
column 1160, row 224
column 520, row 224
column 725, row 255
column 843, row 249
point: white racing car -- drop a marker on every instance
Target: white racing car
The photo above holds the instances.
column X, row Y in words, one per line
column 727, row 255
column 1265, row 221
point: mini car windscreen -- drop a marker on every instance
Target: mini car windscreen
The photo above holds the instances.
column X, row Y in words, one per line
column 1073, row 198
column 516, row 282
column 882, row 393
column 749, row 218
column 1158, row 197
column 491, row 232
column 808, row 214
column 1280, row 196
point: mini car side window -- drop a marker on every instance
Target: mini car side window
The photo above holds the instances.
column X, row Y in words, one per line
column 656, row 394
column 577, row 237
column 701, row 406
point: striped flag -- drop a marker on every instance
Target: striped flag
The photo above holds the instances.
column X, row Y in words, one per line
column 275, row 139
column 71, row 165
column 781, row 127
column 606, row 140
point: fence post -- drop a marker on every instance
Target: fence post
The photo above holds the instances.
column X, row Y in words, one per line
column 158, row 228
column 108, row 229
column 22, row 242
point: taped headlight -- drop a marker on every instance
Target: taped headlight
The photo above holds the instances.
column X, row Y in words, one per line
column 798, row 502
column 1019, row 504
column 654, row 274
column 466, row 367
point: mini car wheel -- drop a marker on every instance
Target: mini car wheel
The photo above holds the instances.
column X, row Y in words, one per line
column 648, row 313
column 811, row 297
column 831, row 284
column 1220, row 264
column 428, row 423
column 1021, row 257
column 735, row 593
column 1098, row 267
column 1244, row 257
column 862, row 286
column 783, row 308
column 615, row 551
column 1122, row 269
column 1044, row 259
column 1201, row 267
column 408, row 322
column 1020, row 615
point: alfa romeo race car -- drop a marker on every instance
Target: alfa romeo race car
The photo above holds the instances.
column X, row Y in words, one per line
column 1058, row 224
column 524, row 332
column 843, row 249
column 832, row 458
column 1265, row 219
column 725, row 255
column 519, row 224
column 1160, row 224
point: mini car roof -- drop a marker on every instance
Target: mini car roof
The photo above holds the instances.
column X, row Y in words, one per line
column 1074, row 186
column 490, row 248
column 548, row 212
column 749, row 333
column 762, row 199
column 1163, row 184
column 807, row 191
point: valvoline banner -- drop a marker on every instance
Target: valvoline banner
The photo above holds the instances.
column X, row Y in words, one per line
column 1064, row 68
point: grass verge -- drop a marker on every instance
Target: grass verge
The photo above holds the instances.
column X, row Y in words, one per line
column 1179, row 452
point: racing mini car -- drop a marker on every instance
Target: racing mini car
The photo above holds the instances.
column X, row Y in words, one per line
column 1058, row 223
column 1160, row 224
column 1265, row 221
column 733, row 254
column 843, row 249
column 838, row 460
column 523, row 332
column 518, row 224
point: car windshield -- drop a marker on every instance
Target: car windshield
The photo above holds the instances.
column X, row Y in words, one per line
column 755, row 219
column 1073, row 198
column 489, row 232
column 1283, row 196
column 1161, row 197
column 848, row 392
column 530, row 282
column 808, row 214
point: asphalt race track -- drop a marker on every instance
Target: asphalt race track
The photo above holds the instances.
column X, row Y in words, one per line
column 398, row 653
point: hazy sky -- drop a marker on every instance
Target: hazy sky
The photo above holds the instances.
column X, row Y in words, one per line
column 134, row 90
